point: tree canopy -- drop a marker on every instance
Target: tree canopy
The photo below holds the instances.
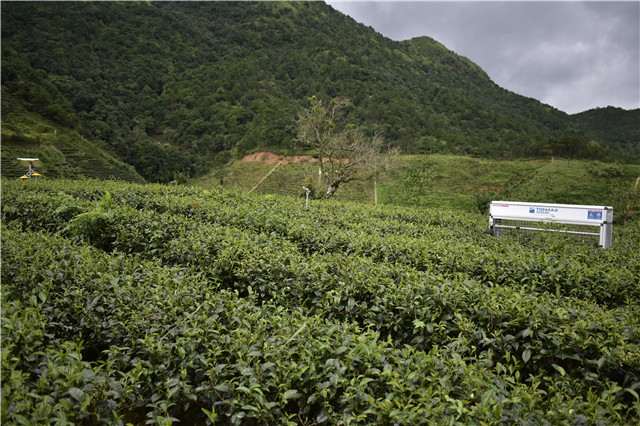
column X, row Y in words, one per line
column 345, row 153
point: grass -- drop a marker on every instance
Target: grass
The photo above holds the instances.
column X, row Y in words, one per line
column 445, row 181
column 452, row 182
column 576, row 182
column 287, row 179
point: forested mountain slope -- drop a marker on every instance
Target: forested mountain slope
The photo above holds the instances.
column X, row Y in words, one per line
column 174, row 87
column 613, row 126
column 63, row 152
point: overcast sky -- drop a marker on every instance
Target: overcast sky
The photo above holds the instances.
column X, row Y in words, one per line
column 572, row 55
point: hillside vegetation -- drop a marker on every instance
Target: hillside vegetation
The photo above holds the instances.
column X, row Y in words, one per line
column 174, row 88
column 150, row 304
column 455, row 182
column 63, row 152
column 615, row 125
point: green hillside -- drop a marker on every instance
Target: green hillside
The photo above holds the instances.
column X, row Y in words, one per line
column 614, row 126
column 63, row 152
column 455, row 182
column 171, row 86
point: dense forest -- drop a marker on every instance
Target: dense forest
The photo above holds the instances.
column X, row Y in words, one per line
column 177, row 87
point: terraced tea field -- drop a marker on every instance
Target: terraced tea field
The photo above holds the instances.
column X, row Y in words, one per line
column 157, row 304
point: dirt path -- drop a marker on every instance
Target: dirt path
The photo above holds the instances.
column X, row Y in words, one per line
column 271, row 158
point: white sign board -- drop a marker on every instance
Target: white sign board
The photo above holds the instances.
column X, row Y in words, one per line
column 562, row 213
column 30, row 162
column 601, row 216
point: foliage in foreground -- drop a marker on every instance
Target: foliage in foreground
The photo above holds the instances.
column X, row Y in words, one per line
column 128, row 303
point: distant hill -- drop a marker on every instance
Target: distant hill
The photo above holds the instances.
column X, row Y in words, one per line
column 173, row 88
column 615, row 127
column 63, row 152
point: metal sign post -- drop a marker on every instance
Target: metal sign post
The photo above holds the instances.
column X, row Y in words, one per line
column 308, row 192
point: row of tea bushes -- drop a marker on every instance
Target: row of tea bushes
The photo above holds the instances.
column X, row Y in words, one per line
column 93, row 337
column 450, row 244
column 352, row 286
column 160, row 257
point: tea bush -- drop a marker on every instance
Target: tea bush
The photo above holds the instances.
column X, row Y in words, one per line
column 220, row 306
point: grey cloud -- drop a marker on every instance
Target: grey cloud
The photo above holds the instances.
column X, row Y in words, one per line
column 574, row 56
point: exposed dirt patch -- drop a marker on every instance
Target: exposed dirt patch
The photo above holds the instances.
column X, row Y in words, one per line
column 271, row 158
column 539, row 160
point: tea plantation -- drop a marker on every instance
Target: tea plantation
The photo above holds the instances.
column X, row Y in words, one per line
column 126, row 303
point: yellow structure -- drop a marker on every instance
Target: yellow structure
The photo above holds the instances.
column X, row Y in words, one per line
column 30, row 163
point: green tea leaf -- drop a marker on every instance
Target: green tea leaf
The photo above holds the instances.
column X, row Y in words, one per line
column 77, row 394
column 559, row 369
column 291, row 394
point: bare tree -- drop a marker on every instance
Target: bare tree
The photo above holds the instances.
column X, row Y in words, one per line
column 344, row 155
column 316, row 126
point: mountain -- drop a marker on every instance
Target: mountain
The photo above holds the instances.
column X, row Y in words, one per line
column 173, row 88
column 615, row 127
